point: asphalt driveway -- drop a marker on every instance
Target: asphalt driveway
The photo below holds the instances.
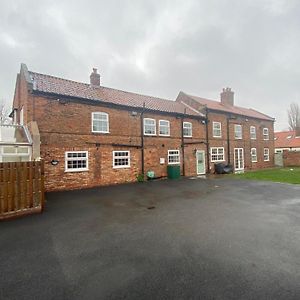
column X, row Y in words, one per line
column 186, row 239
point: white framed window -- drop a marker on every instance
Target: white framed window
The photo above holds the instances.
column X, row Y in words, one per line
column 149, row 126
column 217, row 154
column 22, row 116
column 252, row 132
column 100, row 122
column 187, row 129
column 173, row 157
column 238, row 132
column 253, row 155
column 217, row 129
column 164, row 127
column 121, row 159
column 266, row 134
column 76, row 161
column 266, row 154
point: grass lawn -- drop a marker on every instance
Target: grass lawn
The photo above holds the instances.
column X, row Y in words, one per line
column 286, row 175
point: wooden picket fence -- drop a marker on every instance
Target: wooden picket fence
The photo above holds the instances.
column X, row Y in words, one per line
column 21, row 188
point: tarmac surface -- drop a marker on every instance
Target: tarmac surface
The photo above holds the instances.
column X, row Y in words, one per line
column 182, row 239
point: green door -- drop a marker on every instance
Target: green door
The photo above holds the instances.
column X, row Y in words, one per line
column 200, row 159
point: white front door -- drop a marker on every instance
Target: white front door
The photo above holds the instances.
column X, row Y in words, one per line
column 238, row 159
column 200, row 159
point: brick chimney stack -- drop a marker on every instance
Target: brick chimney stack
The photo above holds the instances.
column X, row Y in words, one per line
column 95, row 78
column 297, row 131
column 227, row 97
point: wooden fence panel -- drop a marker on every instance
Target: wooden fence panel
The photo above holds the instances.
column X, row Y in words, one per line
column 21, row 188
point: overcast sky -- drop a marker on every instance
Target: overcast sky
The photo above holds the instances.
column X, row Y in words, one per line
column 160, row 47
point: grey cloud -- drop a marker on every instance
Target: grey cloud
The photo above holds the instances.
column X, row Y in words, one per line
column 161, row 47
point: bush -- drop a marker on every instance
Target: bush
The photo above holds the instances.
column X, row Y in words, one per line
column 140, row 178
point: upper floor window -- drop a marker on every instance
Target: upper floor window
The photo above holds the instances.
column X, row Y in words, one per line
column 76, row 161
column 22, row 116
column 253, row 155
column 149, row 126
column 217, row 129
column 100, row 122
column 252, row 132
column 266, row 154
column 164, row 127
column 187, row 129
column 238, row 133
column 266, row 134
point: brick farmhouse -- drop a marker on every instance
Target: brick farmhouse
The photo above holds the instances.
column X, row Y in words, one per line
column 91, row 135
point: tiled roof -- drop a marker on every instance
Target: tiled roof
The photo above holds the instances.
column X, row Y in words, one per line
column 59, row 86
column 217, row 105
column 286, row 139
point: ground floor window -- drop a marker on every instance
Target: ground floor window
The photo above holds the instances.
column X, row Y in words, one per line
column 253, row 155
column 173, row 157
column 121, row 159
column 76, row 161
column 266, row 154
column 217, row 154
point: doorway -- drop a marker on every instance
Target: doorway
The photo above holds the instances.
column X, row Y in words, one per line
column 200, row 159
column 238, row 159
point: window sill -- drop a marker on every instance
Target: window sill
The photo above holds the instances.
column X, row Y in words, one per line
column 101, row 132
column 188, row 136
column 121, row 167
column 76, row 171
column 149, row 134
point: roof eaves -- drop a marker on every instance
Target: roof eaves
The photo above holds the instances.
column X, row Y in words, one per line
column 111, row 104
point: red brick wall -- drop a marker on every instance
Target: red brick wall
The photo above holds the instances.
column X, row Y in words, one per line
column 67, row 127
column 246, row 143
column 291, row 158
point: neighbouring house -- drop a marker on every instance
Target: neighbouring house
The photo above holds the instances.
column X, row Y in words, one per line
column 239, row 136
column 91, row 135
column 287, row 140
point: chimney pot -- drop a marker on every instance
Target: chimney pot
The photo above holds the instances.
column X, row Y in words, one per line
column 95, row 78
column 227, row 97
column 297, row 131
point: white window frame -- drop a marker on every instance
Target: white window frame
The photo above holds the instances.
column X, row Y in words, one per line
column 252, row 133
column 188, row 126
column 154, row 121
column 22, row 116
column 121, row 157
column 86, row 158
column 253, row 156
column 217, row 154
column 93, row 119
column 235, row 131
column 217, row 129
column 266, row 153
column 266, row 135
column 177, row 154
column 165, row 126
